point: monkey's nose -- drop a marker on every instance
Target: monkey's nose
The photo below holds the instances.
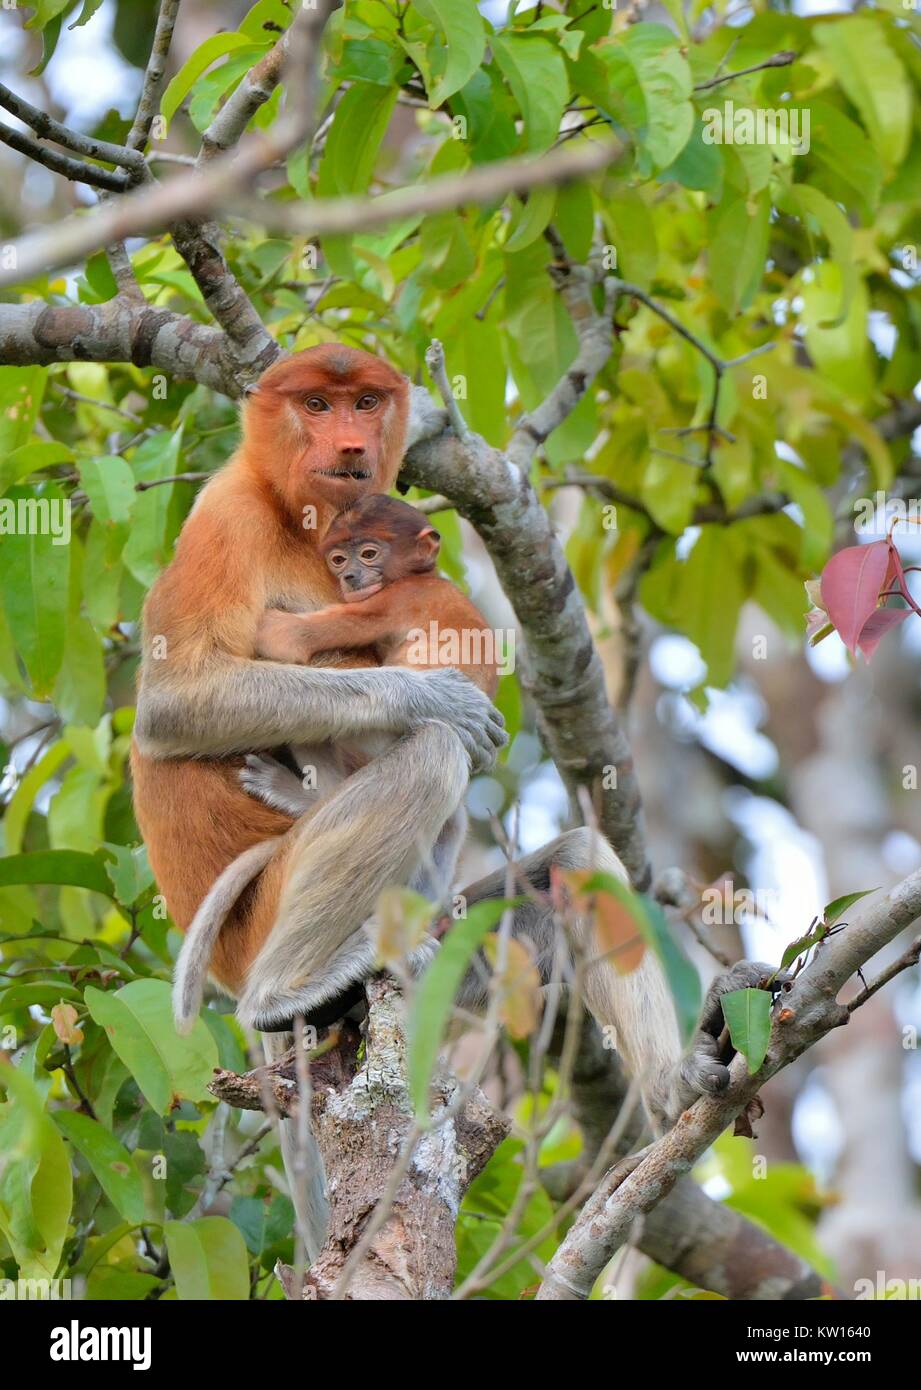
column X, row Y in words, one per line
column 349, row 578
column 349, row 450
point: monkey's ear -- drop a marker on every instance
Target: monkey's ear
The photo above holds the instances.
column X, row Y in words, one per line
column 428, row 544
column 250, row 390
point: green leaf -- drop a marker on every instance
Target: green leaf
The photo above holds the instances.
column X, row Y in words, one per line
column 109, row 1160
column 109, row 484
column 262, row 1223
column 36, row 1186
column 32, row 458
column 80, row 688
column 873, row 77
column 130, row 872
column 354, row 140
column 651, row 86
column 803, row 943
column 748, row 1017
column 208, row 1259
column 112, row 1284
column 20, row 804
column 532, row 219
column 711, row 599
column 841, row 149
column 738, row 249
column 207, row 53
column 461, row 26
column 669, row 491
column 436, row 992
column 837, row 908
column 147, row 547
column 56, row 866
column 841, row 353
column 536, row 72
column 35, row 568
column 138, row 1020
column 21, row 392
column 634, row 236
column 487, row 1203
column 86, row 14
column 838, row 232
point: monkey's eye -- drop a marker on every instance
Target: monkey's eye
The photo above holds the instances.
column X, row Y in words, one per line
column 368, row 401
column 369, row 553
column 316, row 405
column 336, row 559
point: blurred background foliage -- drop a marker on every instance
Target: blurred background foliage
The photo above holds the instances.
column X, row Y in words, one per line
column 814, row 253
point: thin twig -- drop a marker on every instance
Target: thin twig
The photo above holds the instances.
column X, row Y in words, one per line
column 154, row 76
column 904, row 962
column 779, row 60
column 435, row 361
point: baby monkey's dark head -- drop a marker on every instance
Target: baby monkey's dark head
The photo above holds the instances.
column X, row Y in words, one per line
column 375, row 542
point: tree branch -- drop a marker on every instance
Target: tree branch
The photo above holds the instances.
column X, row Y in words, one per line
column 154, row 76
column 210, row 189
column 563, row 672
column 362, row 1120
column 87, row 145
column 704, row 1241
column 123, row 330
column 74, row 169
column 809, row 1011
column 777, row 60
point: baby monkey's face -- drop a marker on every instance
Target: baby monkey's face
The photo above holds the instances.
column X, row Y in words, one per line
column 376, row 542
column 362, row 567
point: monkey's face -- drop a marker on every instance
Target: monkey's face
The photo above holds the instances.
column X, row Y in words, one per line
column 362, row 567
column 336, row 418
column 377, row 541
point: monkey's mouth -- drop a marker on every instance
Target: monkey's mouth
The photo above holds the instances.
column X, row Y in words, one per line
column 356, row 595
column 355, row 475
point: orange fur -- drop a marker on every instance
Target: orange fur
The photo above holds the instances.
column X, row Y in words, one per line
column 408, row 597
column 244, row 547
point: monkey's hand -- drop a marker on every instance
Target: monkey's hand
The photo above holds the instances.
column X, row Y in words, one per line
column 282, row 636
column 704, row 1068
column 449, row 697
column 270, row 781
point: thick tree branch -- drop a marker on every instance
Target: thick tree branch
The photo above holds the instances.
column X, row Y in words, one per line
column 809, row 1011
column 563, row 672
column 362, row 1118
column 122, row 330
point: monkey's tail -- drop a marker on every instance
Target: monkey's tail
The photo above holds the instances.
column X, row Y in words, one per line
column 197, row 948
column 304, row 1170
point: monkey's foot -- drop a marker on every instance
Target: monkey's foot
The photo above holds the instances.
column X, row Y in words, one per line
column 704, row 1069
column 270, row 781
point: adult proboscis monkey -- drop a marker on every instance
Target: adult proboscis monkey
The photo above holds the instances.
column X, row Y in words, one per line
column 322, row 429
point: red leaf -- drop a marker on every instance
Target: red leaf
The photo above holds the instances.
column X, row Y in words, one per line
column 877, row 625
column 894, row 573
column 851, row 584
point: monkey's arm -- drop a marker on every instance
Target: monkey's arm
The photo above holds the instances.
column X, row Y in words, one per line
column 233, row 705
column 296, row 637
column 202, row 694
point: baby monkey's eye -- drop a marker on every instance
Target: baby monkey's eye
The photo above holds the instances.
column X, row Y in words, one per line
column 336, row 559
column 369, row 552
column 368, row 401
column 316, row 405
